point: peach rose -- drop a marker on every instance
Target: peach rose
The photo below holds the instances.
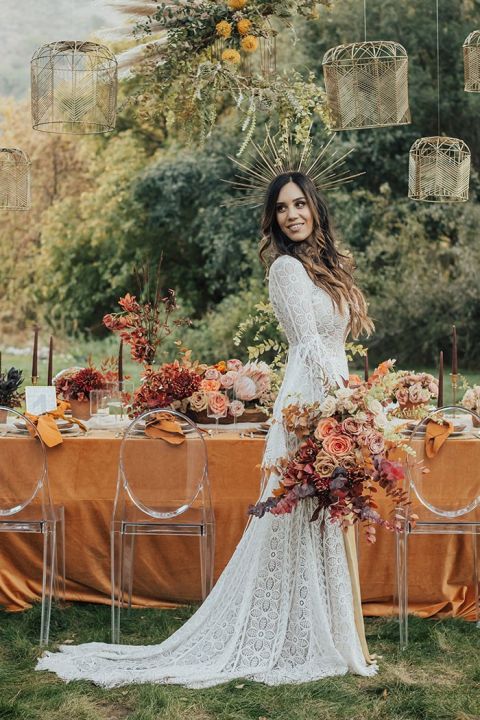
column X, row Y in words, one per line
column 402, row 396
column 210, row 385
column 337, row 445
column 212, row 374
column 218, row 403
column 415, row 393
column 245, row 388
column 325, row 427
column 324, row 464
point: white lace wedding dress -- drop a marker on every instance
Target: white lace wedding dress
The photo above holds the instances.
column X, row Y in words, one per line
column 282, row 611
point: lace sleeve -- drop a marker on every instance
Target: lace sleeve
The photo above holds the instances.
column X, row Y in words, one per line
column 291, row 290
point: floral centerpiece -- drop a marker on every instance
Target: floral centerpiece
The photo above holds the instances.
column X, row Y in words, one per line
column 340, row 462
column 471, row 401
column 75, row 385
column 413, row 392
column 10, row 397
column 233, row 389
column 170, row 385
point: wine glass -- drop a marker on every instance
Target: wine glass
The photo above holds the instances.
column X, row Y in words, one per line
column 217, row 406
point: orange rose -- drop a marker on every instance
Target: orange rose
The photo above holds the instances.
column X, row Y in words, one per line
column 337, row 445
column 210, row 385
column 325, row 427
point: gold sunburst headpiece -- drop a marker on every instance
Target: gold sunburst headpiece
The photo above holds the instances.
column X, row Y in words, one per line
column 326, row 169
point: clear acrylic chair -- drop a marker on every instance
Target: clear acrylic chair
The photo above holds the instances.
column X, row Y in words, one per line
column 26, row 505
column 445, row 502
column 172, row 497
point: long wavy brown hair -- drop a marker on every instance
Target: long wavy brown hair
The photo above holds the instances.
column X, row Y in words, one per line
column 327, row 266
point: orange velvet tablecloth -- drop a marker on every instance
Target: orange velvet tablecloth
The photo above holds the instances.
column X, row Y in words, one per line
column 83, row 476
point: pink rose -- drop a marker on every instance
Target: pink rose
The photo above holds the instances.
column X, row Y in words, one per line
column 337, row 445
column 375, row 442
column 228, row 379
column 415, row 393
column 245, row 388
column 210, row 385
column 325, row 427
column 236, row 408
column 351, row 426
column 402, row 396
column 218, row 403
column 234, row 364
column 212, row 374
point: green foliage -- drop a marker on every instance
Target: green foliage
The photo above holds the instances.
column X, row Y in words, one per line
column 90, row 243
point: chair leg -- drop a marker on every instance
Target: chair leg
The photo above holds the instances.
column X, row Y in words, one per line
column 476, row 586
column 402, row 584
column 128, row 562
column 116, row 569
column 60, row 593
column 207, row 551
column 49, row 563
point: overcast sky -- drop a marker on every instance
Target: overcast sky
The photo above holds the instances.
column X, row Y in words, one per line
column 27, row 24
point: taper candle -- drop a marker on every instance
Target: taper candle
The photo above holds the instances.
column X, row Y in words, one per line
column 35, row 356
column 440, row 381
column 120, row 363
column 366, row 366
column 454, row 351
column 0, row 362
column 50, row 363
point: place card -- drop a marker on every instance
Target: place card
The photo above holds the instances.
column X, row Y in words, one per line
column 40, row 399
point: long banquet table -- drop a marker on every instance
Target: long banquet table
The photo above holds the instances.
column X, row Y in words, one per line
column 83, row 476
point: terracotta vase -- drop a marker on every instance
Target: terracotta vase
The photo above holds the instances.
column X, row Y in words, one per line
column 80, row 409
column 3, row 416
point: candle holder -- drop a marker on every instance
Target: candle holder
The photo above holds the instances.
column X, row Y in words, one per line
column 34, row 379
column 454, row 383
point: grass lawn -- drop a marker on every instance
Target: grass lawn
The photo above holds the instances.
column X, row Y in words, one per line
column 438, row 678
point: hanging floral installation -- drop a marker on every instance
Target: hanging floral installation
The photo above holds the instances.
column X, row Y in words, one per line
column 216, row 51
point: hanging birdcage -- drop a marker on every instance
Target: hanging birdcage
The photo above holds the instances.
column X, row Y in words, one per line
column 439, row 170
column 14, row 179
column 74, row 88
column 367, row 85
column 471, row 60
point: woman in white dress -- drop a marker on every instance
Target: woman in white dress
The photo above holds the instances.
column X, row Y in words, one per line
column 286, row 608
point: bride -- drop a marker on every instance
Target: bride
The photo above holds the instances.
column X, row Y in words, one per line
column 287, row 607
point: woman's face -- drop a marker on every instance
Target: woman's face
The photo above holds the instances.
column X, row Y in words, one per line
column 293, row 214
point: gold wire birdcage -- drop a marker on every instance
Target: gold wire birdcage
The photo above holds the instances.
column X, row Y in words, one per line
column 471, row 61
column 14, row 179
column 74, row 88
column 439, row 170
column 367, row 85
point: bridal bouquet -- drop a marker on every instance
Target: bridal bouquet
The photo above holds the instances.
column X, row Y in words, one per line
column 341, row 460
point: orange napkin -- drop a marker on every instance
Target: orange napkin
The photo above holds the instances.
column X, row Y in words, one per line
column 435, row 435
column 47, row 426
column 165, row 428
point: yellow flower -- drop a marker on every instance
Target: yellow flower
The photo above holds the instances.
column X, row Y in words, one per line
column 249, row 43
column 231, row 56
column 243, row 26
column 224, row 29
column 236, row 4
